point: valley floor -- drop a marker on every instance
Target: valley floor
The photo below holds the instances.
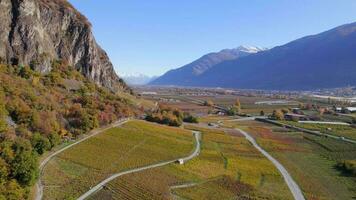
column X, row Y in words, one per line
column 228, row 166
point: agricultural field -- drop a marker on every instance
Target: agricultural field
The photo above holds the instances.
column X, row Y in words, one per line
column 249, row 105
column 132, row 145
column 311, row 160
column 228, row 167
column 338, row 130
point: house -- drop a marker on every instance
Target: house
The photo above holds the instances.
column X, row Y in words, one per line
column 293, row 117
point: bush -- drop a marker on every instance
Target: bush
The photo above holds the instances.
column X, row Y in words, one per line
column 190, row 118
column 233, row 111
column 348, row 167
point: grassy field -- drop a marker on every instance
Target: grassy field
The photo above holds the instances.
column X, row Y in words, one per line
column 338, row 130
column 134, row 144
column 227, row 168
column 311, row 160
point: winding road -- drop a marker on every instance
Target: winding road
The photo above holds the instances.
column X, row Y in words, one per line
column 39, row 185
column 292, row 185
column 195, row 153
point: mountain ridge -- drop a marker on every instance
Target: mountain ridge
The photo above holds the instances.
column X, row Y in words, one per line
column 324, row 60
column 203, row 64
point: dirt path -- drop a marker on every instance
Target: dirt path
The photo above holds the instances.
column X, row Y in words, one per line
column 292, row 185
column 39, row 186
column 197, row 136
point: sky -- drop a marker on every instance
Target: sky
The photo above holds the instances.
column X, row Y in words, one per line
column 153, row 36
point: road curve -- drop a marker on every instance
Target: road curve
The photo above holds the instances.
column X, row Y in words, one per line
column 39, row 186
column 195, row 153
column 293, row 187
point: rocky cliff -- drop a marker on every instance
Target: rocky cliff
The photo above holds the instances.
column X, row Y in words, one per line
column 36, row 32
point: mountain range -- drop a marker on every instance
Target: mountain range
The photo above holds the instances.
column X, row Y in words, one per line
column 138, row 79
column 325, row 60
column 188, row 74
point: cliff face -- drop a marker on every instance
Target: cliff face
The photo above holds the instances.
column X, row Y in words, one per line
column 36, row 32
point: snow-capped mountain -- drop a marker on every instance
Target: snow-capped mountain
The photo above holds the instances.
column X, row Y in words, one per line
column 187, row 73
column 324, row 60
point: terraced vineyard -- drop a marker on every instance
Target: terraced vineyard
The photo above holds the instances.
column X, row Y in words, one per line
column 133, row 145
column 311, row 160
column 228, row 167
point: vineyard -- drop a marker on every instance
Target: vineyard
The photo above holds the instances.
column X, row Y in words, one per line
column 228, row 166
column 133, row 145
column 311, row 160
column 338, row 130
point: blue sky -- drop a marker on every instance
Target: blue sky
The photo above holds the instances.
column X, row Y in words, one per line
column 153, row 36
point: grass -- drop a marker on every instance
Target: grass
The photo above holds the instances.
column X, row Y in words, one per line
column 133, row 145
column 227, row 167
column 311, row 160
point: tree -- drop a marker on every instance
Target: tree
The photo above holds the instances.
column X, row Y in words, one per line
column 262, row 113
column 40, row 143
column 277, row 115
column 12, row 191
column 3, row 113
column 233, row 111
column 238, row 104
column 26, row 72
column 24, row 166
column 208, row 103
column 4, row 171
column 54, row 139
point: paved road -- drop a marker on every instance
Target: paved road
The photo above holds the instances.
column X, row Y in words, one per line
column 39, row 186
column 293, row 187
column 195, row 153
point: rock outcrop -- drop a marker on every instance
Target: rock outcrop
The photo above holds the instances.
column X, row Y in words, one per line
column 36, row 32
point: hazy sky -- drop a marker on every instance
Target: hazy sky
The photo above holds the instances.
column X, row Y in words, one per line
column 153, row 36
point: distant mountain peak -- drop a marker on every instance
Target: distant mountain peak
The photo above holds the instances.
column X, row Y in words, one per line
column 251, row 49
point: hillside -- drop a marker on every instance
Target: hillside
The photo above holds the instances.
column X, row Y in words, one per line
column 325, row 60
column 186, row 75
column 38, row 112
column 36, row 32
column 56, row 84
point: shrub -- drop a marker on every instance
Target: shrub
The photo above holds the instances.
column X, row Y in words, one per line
column 348, row 166
column 190, row 118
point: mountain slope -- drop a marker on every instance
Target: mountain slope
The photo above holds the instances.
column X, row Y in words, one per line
column 186, row 74
column 325, row 60
column 36, row 32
